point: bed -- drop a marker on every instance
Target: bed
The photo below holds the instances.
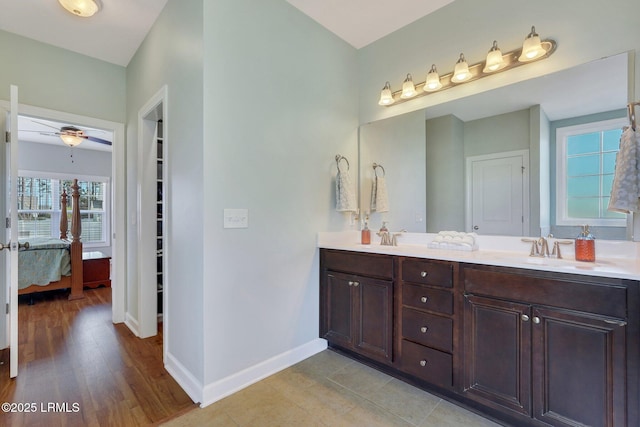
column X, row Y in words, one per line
column 48, row 264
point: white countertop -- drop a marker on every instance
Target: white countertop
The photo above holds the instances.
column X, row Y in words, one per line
column 614, row 258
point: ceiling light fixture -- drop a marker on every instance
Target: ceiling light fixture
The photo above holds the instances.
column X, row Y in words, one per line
column 71, row 140
column 533, row 49
column 83, row 8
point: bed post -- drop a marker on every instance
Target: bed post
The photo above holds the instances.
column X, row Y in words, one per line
column 76, row 244
column 64, row 224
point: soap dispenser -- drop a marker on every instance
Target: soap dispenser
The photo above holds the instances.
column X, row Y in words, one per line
column 585, row 245
column 365, row 236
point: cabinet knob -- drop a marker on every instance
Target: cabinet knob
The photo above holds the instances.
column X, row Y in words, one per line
column 356, row 283
column 424, row 329
column 525, row 318
column 350, row 283
column 424, row 299
column 424, row 274
column 536, row 320
column 423, row 363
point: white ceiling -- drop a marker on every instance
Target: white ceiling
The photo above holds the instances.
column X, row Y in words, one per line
column 112, row 35
column 360, row 22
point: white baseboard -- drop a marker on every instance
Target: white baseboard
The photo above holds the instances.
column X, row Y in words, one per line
column 236, row 382
column 132, row 324
column 184, row 378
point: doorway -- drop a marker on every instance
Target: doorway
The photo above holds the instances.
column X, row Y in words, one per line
column 153, row 199
column 497, row 193
column 117, row 200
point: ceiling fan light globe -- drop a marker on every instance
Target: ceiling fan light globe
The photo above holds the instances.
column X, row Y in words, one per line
column 82, row 8
column 71, row 140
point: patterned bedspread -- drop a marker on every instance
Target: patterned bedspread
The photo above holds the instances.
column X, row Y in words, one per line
column 46, row 260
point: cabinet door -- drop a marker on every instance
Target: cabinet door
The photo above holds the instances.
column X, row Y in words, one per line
column 578, row 369
column 338, row 309
column 374, row 318
column 497, row 353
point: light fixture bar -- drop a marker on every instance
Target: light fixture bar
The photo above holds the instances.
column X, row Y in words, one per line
column 510, row 59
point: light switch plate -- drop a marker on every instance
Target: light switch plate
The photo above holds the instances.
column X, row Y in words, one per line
column 236, row 218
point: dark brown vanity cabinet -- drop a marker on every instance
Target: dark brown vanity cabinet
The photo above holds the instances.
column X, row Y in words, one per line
column 426, row 320
column 549, row 349
column 526, row 347
column 356, row 303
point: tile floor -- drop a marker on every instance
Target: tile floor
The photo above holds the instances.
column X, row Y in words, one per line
column 329, row 389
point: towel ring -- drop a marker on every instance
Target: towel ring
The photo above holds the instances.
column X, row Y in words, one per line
column 375, row 170
column 339, row 158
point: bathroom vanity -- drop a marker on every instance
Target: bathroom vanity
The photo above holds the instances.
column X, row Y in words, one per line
column 526, row 341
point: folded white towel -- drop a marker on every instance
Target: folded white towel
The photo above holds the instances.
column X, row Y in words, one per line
column 379, row 195
column 345, row 195
column 455, row 240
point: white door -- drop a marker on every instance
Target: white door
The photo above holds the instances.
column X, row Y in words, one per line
column 11, row 245
column 498, row 193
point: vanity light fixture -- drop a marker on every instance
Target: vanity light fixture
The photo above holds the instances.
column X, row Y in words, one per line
column 433, row 80
column 494, row 61
column 533, row 49
column 461, row 71
column 82, row 8
column 408, row 88
column 386, row 96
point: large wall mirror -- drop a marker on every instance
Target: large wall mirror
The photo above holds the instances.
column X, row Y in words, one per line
column 453, row 166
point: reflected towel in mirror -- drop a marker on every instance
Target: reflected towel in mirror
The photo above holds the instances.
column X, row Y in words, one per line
column 379, row 195
column 625, row 192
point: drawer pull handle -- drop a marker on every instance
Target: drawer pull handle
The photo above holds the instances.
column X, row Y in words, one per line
column 424, row 329
column 423, row 363
column 424, row 299
column 525, row 318
column 424, row 274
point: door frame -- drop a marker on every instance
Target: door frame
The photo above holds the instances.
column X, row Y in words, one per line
column 118, row 195
column 154, row 109
column 468, row 214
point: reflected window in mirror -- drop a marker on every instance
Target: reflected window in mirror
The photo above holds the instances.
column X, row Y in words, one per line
column 585, row 166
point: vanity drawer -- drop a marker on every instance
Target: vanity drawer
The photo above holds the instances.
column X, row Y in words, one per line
column 427, row 272
column 427, row 364
column 424, row 298
column 357, row 263
column 596, row 295
column 427, row 329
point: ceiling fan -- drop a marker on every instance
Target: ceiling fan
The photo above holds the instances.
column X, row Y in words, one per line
column 70, row 135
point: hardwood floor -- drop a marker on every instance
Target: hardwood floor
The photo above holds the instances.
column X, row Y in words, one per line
column 77, row 368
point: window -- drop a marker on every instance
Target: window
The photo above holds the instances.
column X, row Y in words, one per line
column 585, row 165
column 39, row 207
